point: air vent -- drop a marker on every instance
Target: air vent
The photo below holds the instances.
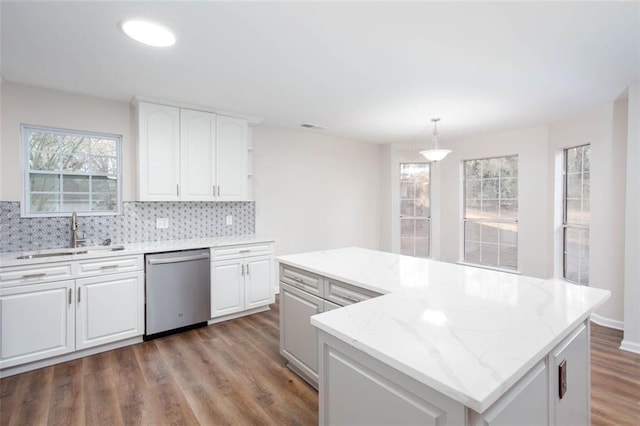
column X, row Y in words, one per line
column 311, row 126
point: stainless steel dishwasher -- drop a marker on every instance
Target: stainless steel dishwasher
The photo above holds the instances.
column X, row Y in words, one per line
column 178, row 290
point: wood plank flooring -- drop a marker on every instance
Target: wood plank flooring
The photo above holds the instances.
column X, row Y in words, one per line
column 232, row 373
column 615, row 380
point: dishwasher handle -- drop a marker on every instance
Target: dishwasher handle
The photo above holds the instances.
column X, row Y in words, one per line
column 177, row 259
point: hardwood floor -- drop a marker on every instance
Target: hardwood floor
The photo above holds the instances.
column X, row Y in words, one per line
column 232, row 373
column 615, row 380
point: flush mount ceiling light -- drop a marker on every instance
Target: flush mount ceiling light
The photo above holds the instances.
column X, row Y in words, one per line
column 434, row 154
column 149, row 33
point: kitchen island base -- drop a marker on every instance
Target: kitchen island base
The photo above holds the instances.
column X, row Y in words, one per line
column 357, row 389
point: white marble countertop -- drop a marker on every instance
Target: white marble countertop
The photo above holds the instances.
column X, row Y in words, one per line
column 466, row 332
column 11, row 258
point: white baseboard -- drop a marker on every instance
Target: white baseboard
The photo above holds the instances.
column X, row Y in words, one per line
column 607, row 322
column 630, row 346
column 626, row 345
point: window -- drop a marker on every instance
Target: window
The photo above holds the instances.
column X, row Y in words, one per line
column 415, row 209
column 491, row 212
column 68, row 171
column 577, row 165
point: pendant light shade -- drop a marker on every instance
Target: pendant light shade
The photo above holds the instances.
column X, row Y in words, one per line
column 434, row 154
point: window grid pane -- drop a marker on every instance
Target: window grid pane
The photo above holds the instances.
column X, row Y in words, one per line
column 491, row 211
column 576, row 214
column 71, row 171
column 415, row 209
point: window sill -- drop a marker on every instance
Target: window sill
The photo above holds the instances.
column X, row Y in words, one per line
column 491, row 268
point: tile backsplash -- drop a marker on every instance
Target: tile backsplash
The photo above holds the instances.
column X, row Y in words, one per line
column 137, row 223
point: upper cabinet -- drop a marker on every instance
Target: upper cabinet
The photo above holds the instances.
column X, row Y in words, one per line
column 232, row 165
column 158, row 153
column 189, row 155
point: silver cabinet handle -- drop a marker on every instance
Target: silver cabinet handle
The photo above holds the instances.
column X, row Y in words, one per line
column 244, row 251
column 79, row 288
column 242, row 267
column 69, row 296
column 247, row 269
column 177, row 189
column 27, row 276
column 105, row 267
column 353, row 299
column 218, row 190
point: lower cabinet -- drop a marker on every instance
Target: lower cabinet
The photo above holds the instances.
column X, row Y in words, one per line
column 109, row 308
column 569, row 364
column 37, row 322
column 298, row 338
column 227, row 287
column 356, row 388
column 302, row 295
column 46, row 319
column 242, row 284
column 526, row 403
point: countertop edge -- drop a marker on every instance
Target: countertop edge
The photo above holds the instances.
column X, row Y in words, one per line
column 475, row 404
column 9, row 259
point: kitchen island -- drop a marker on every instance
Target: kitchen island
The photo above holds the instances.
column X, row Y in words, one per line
column 446, row 343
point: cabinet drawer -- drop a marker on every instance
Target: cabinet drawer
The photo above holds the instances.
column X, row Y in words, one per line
column 109, row 265
column 33, row 274
column 345, row 294
column 304, row 280
column 233, row 252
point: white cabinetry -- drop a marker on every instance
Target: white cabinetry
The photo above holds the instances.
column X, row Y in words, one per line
column 37, row 322
column 242, row 279
column 232, row 165
column 100, row 303
column 571, row 360
column 110, row 308
column 158, row 152
column 197, row 155
column 227, row 287
column 189, row 155
column 355, row 388
column 302, row 295
column 298, row 338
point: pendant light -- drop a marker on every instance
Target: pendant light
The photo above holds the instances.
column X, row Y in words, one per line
column 434, row 154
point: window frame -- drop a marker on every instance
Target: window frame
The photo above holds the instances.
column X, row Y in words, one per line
column 466, row 220
column 428, row 218
column 565, row 224
column 25, row 130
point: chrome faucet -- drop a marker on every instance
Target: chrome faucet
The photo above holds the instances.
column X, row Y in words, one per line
column 74, row 232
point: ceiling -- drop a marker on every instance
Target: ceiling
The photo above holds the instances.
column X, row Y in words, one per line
column 371, row 71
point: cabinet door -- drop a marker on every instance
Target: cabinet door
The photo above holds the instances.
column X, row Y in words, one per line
column 298, row 338
column 36, row 322
column 197, row 155
column 109, row 308
column 231, row 158
column 574, row 406
column 259, row 282
column 526, row 403
column 158, row 152
column 227, row 287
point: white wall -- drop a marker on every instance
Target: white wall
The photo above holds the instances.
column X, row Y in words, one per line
column 33, row 105
column 315, row 192
column 632, row 226
column 533, row 213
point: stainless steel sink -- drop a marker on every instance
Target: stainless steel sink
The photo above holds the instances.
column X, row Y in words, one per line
column 87, row 250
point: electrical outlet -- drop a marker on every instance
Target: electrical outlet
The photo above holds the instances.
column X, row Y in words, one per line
column 229, row 220
column 162, row 222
